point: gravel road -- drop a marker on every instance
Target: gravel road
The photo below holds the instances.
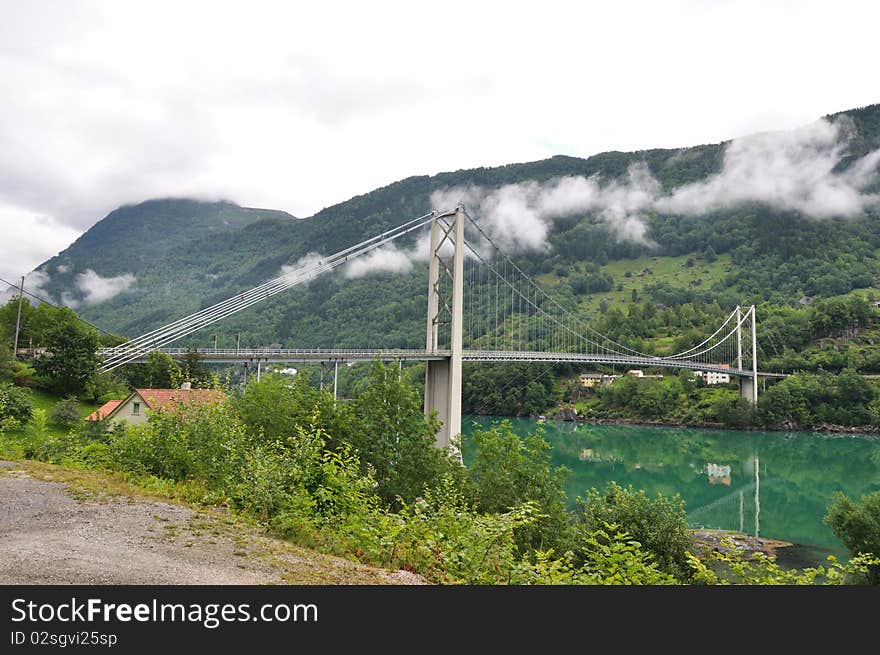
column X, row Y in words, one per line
column 49, row 535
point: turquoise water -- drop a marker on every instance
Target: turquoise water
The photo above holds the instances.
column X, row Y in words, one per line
column 772, row 484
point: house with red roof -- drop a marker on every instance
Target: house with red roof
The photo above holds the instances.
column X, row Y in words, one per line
column 133, row 409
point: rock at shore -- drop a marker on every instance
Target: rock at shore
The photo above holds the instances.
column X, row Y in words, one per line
column 704, row 539
column 566, row 414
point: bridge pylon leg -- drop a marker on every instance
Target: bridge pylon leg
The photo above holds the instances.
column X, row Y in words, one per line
column 748, row 386
column 443, row 376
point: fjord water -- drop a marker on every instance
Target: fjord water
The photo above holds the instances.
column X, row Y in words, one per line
column 775, row 484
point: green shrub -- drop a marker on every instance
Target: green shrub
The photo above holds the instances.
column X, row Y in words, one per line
column 66, row 413
column 16, row 403
column 857, row 525
column 394, row 441
column 193, row 441
column 36, row 435
column 508, row 471
column 608, row 557
column 727, row 566
column 659, row 524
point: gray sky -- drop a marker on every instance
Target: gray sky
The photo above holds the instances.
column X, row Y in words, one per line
column 298, row 106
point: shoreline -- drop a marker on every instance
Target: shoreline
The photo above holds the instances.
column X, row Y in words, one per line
column 569, row 416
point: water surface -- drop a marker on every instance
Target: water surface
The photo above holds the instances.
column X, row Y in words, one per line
column 769, row 484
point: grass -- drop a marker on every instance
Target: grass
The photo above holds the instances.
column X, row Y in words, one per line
column 47, row 401
column 648, row 270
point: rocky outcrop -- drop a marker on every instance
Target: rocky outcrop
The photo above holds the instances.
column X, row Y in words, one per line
column 566, row 414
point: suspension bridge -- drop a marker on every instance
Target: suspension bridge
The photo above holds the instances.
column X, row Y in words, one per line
column 481, row 307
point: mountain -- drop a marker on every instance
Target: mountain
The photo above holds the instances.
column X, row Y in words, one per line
column 162, row 259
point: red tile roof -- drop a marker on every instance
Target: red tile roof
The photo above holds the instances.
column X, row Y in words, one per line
column 103, row 411
column 158, row 398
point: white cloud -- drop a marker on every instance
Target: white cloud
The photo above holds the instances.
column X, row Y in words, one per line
column 97, row 289
column 794, row 170
column 387, row 259
column 304, row 269
column 298, row 107
column 34, row 283
column 26, row 239
column 798, row 170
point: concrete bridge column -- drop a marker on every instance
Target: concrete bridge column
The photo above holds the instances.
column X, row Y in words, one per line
column 748, row 386
column 443, row 376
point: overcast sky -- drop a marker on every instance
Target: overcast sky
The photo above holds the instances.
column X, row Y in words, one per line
column 298, row 106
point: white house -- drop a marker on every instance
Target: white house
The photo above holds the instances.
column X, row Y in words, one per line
column 713, row 377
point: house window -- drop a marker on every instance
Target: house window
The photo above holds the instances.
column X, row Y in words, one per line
column 136, row 408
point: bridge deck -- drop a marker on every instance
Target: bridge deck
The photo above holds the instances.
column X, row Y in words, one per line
column 287, row 355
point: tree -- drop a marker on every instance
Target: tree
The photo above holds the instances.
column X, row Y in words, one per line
column 103, row 386
column 160, row 370
column 857, row 525
column 659, row 524
column 71, row 358
column 66, row 413
column 193, row 370
column 275, row 408
column 508, row 471
column 15, row 403
column 395, row 440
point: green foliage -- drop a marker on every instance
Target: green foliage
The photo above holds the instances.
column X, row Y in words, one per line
column 510, row 389
column 659, row 524
column 445, row 539
column 276, row 408
column 726, row 565
column 807, row 399
column 15, row 403
column 159, row 372
column 857, row 525
column 36, row 434
column 394, row 440
column 198, row 441
column 103, row 386
column 66, row 413
column 608, row 556
column 508, row 472
column 71, row 359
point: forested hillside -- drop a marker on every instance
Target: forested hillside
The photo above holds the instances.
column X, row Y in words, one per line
column 690, row 267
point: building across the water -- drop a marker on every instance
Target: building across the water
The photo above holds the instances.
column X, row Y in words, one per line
column 713, row 377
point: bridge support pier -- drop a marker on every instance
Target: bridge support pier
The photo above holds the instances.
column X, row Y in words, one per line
column 747, row 389
column 443, row 376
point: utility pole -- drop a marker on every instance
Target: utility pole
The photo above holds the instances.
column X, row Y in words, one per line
column 335, row 377
column 215, row 341
column 18, row 318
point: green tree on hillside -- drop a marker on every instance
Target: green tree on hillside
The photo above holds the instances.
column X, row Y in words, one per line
column 71, row 358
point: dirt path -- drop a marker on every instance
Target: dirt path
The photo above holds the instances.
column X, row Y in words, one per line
column 53, row 534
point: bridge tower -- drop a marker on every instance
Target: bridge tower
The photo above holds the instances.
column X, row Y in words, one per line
column 748, row 386
column 445, row 307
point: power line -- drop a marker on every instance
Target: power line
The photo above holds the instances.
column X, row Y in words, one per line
column 43, row 300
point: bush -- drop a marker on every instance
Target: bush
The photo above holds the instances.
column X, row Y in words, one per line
column 36, row 435
column 15, row 403
column 66, row 414
column 275, row 408
column 508, row 471
column 192, row 441
column 857, row 525
column 659, row 524
column 394, row 441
